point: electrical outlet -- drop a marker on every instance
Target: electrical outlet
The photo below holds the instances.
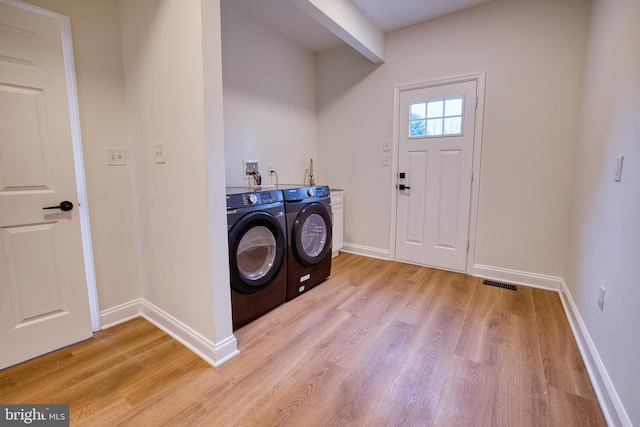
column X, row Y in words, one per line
column 160, row 158
column 273, row 175
column 601, row 298
column 115, row 156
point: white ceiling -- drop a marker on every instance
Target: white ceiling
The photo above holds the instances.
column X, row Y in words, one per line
column 388, row 15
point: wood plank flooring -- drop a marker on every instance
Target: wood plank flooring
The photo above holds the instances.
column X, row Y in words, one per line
column 378, row 344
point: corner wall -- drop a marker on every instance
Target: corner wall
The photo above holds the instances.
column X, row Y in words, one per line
column 269, row 101
column 168, row 99
column 533, row 53
column 604, row 241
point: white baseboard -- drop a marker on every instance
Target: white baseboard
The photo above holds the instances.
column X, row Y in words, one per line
column 120, row 313
column 610, row 402
column 365, row 251
column 213, row 353
column 517, row 277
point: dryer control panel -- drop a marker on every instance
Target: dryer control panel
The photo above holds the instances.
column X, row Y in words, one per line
column 302, row 193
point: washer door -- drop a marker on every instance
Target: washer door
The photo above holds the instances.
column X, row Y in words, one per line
column 257, row 247
column 311, row 235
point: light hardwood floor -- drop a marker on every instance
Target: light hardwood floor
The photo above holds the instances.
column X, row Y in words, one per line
column 378, row 344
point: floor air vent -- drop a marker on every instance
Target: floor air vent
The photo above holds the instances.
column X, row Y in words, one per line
column 500, row 285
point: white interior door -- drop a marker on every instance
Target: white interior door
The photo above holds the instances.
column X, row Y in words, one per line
column 43, row 288
column 435, row 158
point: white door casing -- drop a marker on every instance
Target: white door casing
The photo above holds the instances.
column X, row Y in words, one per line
column 435, row 213
column 46, row 263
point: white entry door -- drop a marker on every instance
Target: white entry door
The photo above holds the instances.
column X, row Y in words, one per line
column 435, row 158
column 43, row 289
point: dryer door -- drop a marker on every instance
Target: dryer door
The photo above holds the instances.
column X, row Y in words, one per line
column 311, row 235
column 257, row 247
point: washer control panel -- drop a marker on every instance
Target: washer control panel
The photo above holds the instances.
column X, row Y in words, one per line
column 241, row 199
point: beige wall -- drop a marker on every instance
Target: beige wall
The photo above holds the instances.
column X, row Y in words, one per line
column 180, row 239
column 168, row 243
column 159, row 231
column 215, row 164
column 269, row 100
column 604, row 242
column 100, row 80
column 533, row 53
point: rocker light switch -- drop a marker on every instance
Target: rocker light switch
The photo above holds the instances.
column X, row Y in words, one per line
column 160, row 158
column 618, row 175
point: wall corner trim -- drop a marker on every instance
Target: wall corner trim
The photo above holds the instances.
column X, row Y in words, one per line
column 610, row 402
column 213, row 353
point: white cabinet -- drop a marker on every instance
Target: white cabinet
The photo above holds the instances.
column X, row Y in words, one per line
column 337, row 208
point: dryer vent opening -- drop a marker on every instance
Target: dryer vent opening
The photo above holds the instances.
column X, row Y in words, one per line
column 500, row 285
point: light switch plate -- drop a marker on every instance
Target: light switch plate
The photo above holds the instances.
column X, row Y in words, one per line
column 160, row 157
column 115, row 156
column 618, row 175
column 386, row 145
column 601, row 298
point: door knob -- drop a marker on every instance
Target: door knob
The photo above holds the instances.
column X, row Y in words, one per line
column 64, row 206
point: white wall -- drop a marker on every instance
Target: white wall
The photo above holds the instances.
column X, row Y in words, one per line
column 215, row 164
column 178, row 236
column 269, row 101
column 533, row 53
column 100, row 80
column 604, row 240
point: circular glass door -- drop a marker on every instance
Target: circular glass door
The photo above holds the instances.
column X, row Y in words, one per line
column 256, row 253
column 314, row 235
column 311, row 234
column 257, row 247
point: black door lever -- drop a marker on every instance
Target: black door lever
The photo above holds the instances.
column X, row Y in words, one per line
column 64, row 206
column 403, row 187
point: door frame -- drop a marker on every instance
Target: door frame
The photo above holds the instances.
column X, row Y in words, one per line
column 78, row 156
column 480, row 79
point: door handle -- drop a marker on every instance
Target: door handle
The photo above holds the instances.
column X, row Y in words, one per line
column 64, row 206
column 403, row 187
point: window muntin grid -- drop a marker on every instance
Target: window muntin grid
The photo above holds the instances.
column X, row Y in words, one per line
column 436, row 117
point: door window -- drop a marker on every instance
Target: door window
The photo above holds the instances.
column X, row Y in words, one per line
column 436, row 117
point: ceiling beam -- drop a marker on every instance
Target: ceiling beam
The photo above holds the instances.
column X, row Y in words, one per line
column 344, row 20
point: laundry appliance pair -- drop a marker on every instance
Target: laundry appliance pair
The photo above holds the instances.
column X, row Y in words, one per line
column 279, row 245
